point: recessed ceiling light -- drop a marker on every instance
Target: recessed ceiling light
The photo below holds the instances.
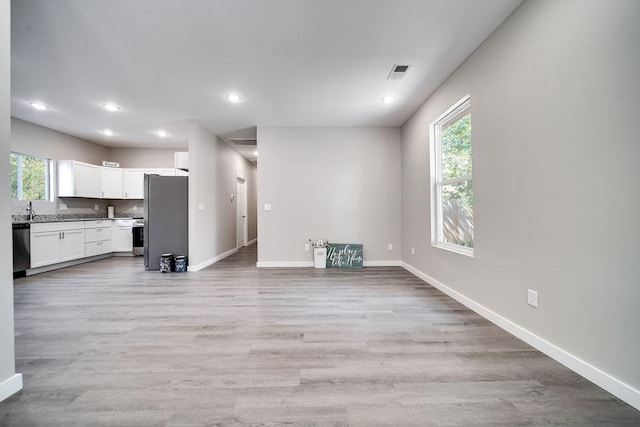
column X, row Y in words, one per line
column 162, row 133
column 388, row 99
column 233, row 97
column 107, row 132
column 111, row 107
column 39, row 105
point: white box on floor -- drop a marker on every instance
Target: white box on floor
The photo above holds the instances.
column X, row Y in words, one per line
column 320, row 257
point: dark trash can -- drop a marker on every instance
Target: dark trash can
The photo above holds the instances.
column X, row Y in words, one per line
column 165, row 263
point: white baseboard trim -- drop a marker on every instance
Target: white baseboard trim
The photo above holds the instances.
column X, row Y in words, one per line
column 208, row 262
column 614, row 386
column 283, row 264
column 251, row 242
column 287, row 264
column 10, row 386
column 382, row 263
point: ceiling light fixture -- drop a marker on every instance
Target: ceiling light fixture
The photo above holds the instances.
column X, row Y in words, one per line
column 111, row 107
column 162, row 133
column 388, row 99
column 107, row 132
column 39, row 105
column 233, row 97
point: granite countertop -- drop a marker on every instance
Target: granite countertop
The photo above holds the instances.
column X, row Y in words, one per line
column 61, row 218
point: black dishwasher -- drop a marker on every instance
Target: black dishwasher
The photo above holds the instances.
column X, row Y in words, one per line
column 21, row 247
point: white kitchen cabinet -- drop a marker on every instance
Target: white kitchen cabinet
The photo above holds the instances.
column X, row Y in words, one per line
column 97, row 237
column 77, row 179
column 111, row 183
column 56, row 242
column 72, row 245
column 133, row 183
column 122, row 236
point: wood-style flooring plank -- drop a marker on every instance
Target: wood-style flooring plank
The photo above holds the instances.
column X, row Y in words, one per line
column 109, row 344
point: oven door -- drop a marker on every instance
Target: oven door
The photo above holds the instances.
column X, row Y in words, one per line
column 138, row 239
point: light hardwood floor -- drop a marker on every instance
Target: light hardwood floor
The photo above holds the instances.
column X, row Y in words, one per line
column 107, row 343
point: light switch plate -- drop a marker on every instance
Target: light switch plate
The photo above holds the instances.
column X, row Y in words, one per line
column 267, row 206
column 532, row 298
column 200, row 206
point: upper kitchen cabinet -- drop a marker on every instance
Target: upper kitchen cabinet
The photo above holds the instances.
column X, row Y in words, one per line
column 111, row 183
column 77, row 179
column 133, row 183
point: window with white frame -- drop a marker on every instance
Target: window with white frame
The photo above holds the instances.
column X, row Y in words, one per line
column 451, row 179
column 30, row 177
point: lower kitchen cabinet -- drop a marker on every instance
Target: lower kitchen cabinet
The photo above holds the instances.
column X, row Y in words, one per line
column 56, row 242
column 122, row 237
column 97, row 237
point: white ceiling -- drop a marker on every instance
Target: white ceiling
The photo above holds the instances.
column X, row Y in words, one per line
column 295, row 62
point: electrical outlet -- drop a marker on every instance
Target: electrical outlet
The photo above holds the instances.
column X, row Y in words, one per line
column 135, row 208
column 532, row 298
column 200, row 206
column 62, row 207
column 413, row 251
column 390, row 247
column 306, row 247
column 96, row 207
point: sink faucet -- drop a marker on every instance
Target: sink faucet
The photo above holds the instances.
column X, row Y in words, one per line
column 32, row 213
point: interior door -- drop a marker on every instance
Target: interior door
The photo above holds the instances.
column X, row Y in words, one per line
column 241, row 213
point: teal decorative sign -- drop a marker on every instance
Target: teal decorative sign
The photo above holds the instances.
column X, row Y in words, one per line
column 344, row 255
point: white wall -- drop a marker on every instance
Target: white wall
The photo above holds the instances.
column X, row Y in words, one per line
column 555, row 100
column 341, row 184
column 213, row 171
column 10, row 382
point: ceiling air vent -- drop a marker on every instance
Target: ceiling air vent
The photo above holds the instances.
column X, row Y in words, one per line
column 243, row 141
column 398, row 72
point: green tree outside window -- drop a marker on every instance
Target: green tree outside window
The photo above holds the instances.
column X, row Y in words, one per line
column 29, row 177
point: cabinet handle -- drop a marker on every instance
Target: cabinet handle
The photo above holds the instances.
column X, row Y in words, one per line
column 126, row 195
column 59, row 234
column 75, row 191
column 103, row 194
column 63, row 234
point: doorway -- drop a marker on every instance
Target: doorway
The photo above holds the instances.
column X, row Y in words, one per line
column 241, row 213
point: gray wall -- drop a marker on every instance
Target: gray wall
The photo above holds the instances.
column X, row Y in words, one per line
column 29, row 138
column 555, row 99
column 144, row 157
column 213, row 170
column 342, row 184
column 7, row 363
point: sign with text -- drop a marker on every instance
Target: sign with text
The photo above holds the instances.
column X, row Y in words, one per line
column 344, row 255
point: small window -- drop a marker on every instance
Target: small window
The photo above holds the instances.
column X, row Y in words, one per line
column 29, row 177
column 451, row 179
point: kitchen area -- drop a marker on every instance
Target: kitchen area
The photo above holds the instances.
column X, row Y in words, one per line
column 103, row 211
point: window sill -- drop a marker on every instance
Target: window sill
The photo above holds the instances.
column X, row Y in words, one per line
column 462, row 250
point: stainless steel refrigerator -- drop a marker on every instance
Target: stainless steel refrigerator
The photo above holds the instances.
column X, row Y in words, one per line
column 166, row 218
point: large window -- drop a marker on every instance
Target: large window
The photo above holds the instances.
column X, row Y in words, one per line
column 451, row 179
column 29, row 177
